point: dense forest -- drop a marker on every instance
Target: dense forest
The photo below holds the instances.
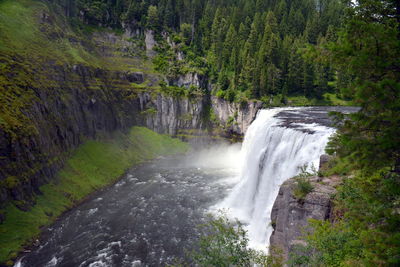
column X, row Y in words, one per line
column 249, row 49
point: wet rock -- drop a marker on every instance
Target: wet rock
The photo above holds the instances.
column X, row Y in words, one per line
column 319, row 115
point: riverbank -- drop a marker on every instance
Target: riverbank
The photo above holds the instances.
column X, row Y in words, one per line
column 92, row 166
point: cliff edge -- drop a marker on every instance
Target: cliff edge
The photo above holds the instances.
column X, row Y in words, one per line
column 290, row 213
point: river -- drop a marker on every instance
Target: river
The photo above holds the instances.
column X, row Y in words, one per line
column 150, row 217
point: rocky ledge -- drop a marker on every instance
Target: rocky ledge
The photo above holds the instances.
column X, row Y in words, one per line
column 290, row 214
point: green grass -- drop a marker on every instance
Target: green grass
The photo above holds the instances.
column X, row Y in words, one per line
column 92, row 166
column 336, row 101
column 329, row 99
column 16, row 24
column 24, row 33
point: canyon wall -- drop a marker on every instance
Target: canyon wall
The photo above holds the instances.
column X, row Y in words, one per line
column 86, row 103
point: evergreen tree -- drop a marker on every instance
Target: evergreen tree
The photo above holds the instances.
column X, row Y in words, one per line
column 152, row 18
column 229, row 46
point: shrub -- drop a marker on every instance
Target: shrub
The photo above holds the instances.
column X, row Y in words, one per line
column 225, row 243
column 303, row 187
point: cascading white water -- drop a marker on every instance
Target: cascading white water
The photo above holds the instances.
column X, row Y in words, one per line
column 271, row 154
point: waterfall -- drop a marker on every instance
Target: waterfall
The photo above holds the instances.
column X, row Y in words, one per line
column 271, row 154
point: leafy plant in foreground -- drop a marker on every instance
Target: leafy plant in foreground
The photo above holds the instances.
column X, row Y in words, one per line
column 225, row 243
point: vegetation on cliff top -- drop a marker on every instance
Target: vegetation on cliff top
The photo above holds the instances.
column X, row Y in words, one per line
column 248, row 49
column 92, row 166
column 202, row 34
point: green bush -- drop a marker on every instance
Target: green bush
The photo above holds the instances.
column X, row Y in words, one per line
column 224, row 243
column 302, row 188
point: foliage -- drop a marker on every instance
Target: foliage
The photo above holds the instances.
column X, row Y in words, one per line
column 305, row 171
column 327, row 245
column 367, row 234
column 367, row 144
column 149, row 112
column 92, row 166
column 251, row 46
column 368, row 49
column 302, row 188
column 224, row 243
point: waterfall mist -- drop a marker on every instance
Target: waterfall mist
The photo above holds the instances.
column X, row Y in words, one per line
column 221, row 156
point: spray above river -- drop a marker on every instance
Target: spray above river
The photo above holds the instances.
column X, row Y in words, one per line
column 150, row 217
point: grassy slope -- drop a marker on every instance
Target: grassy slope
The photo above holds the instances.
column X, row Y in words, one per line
column 92, row 166
column 24, row 33
column 27, row 46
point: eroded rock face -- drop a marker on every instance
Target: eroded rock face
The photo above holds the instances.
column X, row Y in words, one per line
column 167, row 114
column 135, row 77
column 150, row 43
column 234, row 116
column 290, row 215
column 80, row 102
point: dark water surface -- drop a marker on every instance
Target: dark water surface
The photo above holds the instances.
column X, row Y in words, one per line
column 146, row 219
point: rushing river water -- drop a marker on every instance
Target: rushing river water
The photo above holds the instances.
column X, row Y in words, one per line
column 149, row 217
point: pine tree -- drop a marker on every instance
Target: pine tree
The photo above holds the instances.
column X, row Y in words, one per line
column 152, row 18
column 229, row 45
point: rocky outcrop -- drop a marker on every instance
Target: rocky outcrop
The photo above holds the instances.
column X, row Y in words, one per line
column 235, row 117
column 190, row 79
column 167, row 114
column 290, row 215
column 135, row 77
column 150, row 43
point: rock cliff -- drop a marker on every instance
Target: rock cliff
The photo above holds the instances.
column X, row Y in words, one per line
column 167, row 114
column 290, row 215
column 85, row 102
column 235, row 117
column 80, row 103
